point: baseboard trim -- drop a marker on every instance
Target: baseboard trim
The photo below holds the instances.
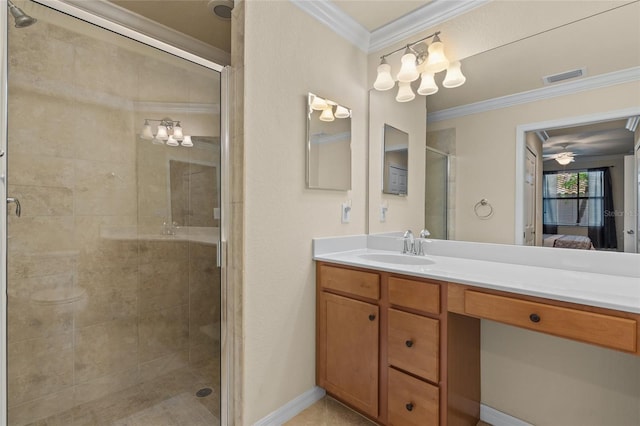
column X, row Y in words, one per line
column 292, row 408
column 498, row 418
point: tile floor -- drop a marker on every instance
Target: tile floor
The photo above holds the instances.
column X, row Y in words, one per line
column 329, row 412
column 168, row 400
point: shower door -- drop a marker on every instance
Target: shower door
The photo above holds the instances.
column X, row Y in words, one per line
column 113, row 275
column 436, row 193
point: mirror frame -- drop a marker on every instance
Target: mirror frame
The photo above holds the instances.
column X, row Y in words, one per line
column 310, row 97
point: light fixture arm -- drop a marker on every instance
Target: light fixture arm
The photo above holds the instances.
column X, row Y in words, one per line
column 411, row 45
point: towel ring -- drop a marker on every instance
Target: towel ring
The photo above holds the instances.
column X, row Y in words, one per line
column 480, row 204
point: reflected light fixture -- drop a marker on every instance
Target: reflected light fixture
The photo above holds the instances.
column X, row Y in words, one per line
column 168, row 131
column 421, row 61
column 565, row 158
column 632, row 123
column 326, row 106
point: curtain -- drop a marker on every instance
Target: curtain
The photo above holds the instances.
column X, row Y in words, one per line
column 603, row 233
column 549, row 207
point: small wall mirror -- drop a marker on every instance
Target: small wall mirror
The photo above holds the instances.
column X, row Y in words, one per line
column 193, row 194
column 395, row 160
column 328, row 144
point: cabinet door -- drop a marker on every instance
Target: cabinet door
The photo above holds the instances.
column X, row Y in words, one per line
column 348, row 355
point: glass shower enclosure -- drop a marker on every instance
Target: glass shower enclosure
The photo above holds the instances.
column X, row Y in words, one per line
column 113, row 277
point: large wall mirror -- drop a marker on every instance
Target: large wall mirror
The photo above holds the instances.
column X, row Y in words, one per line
column 328, row 144
column 490, row 163
column 395, row 161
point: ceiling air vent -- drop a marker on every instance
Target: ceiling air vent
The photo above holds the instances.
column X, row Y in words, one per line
column 550, row 79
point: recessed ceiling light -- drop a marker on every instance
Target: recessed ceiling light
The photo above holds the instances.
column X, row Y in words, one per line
column 221, row 8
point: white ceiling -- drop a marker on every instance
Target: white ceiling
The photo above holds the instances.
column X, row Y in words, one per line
column 604, row 138
column 374, row 14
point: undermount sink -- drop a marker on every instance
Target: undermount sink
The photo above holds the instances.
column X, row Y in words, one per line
column 397, row 259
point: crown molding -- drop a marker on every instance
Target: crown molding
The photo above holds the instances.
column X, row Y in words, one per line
column 588, row 83
column 133, row 21
column 428, row 16
column 421, row 19
column 336, row 19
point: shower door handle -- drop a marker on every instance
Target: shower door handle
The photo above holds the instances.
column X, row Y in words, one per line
column 18, row 207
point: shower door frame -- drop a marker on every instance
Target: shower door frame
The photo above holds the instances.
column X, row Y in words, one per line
column 226, row 308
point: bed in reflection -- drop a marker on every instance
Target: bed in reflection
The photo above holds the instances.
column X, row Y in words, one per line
column 567, row 241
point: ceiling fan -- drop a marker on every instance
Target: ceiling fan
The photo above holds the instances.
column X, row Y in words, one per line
column 563, row 158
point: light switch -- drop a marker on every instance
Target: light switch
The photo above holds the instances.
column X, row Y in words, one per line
column 383, row 213
column 346, row 213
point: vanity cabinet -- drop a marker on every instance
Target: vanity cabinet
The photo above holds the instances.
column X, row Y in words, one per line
column 348, row 337
column 384, row 342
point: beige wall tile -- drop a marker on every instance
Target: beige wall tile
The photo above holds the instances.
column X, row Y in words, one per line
column 163, row 332
column 43, row 201
column 39, row 234
column 103, row 188
column 37, row 367
column 27, row 320
column 163, row 285
column 39, row 170
column 105, row 348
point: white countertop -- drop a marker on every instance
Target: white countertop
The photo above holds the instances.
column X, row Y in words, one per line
column 586, row 287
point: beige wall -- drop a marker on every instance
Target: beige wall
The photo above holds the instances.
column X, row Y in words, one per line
column 287, row 54
column 539, row 378
column 404, row 212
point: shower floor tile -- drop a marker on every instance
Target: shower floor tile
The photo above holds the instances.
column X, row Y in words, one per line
column 168, row 400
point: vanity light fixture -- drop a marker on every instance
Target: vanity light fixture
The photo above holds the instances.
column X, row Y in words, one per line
column 419, row 60
column 168, row 131
column 316, row 103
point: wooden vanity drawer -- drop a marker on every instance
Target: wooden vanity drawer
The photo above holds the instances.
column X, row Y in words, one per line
column 604, row 330
column 359, row 283
column 412, row 401
column 411, row 294
column 413, row 344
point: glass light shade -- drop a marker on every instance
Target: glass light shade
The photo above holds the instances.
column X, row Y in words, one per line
column 564, row 159
column 318, row 104
column 428, row 85
column 436, row 61
column 177, row 132
column 162, row 133
column 146, row 131
column 327, row 114
column 454, row 77
column 342, row 112
column 405, row 94
column 408, row 71
column 172, row 142
column 187, row 141
column 384, row 81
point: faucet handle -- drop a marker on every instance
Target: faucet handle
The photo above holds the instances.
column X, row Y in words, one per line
column 408, row 234
column 425, row 233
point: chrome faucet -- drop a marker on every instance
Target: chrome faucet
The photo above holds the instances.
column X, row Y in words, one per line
column 409, row 243
column 424, row 234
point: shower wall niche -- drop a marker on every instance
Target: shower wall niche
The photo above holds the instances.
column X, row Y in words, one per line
column 105, row 295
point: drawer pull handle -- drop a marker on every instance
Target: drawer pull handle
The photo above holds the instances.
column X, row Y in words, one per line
column 409, row 406
column 534, row 318
column 372, row 317
column 409, row 343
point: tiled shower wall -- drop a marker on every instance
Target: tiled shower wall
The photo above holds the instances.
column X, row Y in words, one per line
column 90, row 314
